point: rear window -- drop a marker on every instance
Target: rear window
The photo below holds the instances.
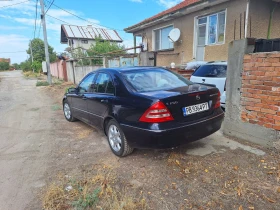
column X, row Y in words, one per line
column 154, row 80
column 211, row 71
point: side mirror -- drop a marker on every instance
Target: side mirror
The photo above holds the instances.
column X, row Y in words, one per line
column 72, row 90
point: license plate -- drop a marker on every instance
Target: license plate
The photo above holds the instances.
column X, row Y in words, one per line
column 195, row 109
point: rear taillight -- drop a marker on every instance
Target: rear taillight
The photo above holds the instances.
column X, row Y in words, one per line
column 218, row 103
column 157, row 113
column 225, row 86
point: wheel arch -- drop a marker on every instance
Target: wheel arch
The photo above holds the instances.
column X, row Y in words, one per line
column 105, row 123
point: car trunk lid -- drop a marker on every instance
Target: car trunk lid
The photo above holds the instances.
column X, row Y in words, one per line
column 177, row 99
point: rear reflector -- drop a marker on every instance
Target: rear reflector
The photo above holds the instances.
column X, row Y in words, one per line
column 218, row 103
column 157, row 113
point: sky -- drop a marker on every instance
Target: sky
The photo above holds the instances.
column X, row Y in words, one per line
column 17, row 23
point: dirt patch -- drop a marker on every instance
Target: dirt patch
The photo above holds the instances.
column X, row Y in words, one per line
column 154, row 179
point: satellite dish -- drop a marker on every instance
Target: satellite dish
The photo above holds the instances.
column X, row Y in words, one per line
column 174, row 35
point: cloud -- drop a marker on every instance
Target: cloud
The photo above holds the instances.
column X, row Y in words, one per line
column 12, row 43
column 169, row 3
column 12, row 27
column 138, row 1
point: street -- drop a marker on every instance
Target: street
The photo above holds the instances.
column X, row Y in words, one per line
column 38, row 147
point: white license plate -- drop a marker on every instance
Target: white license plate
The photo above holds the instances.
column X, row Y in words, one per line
column 195, row 109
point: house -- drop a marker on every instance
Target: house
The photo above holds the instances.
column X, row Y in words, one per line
column 7, row 60
column 84, row 36
column 206, row 28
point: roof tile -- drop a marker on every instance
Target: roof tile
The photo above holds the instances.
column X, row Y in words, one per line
column 179, row 6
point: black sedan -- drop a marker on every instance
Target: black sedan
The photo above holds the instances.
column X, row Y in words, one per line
column 144, row 107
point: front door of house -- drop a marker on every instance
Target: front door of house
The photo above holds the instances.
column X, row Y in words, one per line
column 201, row 38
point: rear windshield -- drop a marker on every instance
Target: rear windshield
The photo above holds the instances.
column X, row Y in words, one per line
column 154, row 80
column 211, row 71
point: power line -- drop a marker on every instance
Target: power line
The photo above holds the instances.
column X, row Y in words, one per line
column 58, row 19
column 14, row 4
column 35, row 18
column 82, row 18
column 49, row 6
column 39, row 29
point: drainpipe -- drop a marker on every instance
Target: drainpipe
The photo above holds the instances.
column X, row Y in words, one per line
column 247, row 18
column 270, row 20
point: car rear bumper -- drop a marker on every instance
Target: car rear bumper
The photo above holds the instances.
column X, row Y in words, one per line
column 183, row 134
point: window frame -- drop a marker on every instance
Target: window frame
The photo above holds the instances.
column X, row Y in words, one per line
column 84, row 41
column 207, row 27
column 154, row 38
column 95, row 79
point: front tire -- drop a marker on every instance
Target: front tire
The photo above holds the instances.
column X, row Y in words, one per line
column 117, row 140
column 67, row 112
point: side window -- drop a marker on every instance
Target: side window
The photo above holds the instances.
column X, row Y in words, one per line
column 87, row 84
column 104, row 84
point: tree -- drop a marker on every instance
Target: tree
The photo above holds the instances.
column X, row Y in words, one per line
column 38, row 50
column 102, row 47
column 16, row 66
column 26, row 65
column 4, row 66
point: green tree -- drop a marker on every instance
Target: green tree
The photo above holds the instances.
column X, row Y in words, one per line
column 38, row 50
column 17, row 66
column 4, row 66
column 102, row 47
column 37, row 66
column 26, row 65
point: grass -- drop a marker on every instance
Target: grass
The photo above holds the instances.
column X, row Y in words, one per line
column 30, row 74
column 56, row 107
column 97, row 189
column 42, row 83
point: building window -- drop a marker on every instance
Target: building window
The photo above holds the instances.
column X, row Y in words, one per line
column 215, row 28
column 84, row 41
column 161, row 40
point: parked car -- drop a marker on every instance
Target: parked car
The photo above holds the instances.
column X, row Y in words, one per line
column 214, row 73
column 144, row 107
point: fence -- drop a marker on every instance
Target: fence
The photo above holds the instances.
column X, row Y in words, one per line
column 58, row 70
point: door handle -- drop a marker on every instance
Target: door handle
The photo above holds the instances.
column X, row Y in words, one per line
column 104, row 101
column 203, row 80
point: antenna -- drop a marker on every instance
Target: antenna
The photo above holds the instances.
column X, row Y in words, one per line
column 174, row 35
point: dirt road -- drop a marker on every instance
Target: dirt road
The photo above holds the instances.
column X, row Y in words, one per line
column 25, row 132
column 41, row 154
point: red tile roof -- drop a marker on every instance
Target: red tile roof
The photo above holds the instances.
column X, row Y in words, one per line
column 179, row 6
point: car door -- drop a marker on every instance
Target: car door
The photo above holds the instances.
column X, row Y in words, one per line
column 102, row 97
column 79, row 100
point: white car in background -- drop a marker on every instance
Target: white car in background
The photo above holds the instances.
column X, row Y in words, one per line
column 213, row 73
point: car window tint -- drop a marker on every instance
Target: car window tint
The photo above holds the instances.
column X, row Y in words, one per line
column 110, row 88
column 155, row 79
column 104, row 84
column 87, row 84
column 211, row 71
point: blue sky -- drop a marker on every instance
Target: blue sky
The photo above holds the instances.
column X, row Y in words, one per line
column 17, row 22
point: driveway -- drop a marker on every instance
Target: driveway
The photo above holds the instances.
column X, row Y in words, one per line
column 41, row 154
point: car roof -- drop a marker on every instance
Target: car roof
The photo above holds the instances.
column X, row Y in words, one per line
column 224, row 63
column 124, row 69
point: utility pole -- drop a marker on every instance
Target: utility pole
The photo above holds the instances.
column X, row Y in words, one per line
column 46, row 41
column 30, row 44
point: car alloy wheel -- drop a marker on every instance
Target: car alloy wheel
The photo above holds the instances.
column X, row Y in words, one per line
column 67, row 111
column 115, row 138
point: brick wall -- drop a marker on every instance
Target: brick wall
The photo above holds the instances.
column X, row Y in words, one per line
column 185, row 73
column 260, row 93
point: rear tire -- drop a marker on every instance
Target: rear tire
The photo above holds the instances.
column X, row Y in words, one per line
column 117, row 140
column 68, row 112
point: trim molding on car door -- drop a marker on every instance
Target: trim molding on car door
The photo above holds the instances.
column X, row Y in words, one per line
column 88, row 112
